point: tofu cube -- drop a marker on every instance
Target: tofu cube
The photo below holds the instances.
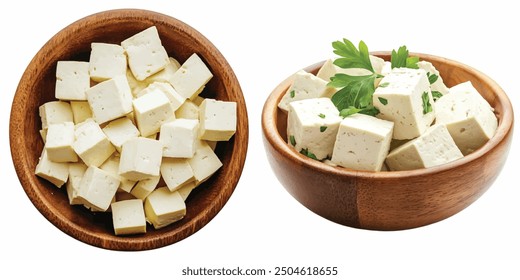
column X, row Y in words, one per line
column 97, row 188
column 165, row 75
column 91, row 144
column 55, row 112
column 204, row 162
column 135, row 85
column 106, row 61
column 362, row 142
column 146, row 54
column 163, row 207
column 305, row 86
column 119, row 131
column 72, row 80
column 188, row 110
column 312, row 125
column 110, row 99
column 144, row 187
column 128, row 217
column 140, row 159
column 175, row 99
column 434, row 147
column 80, row 111
column 55, row 172
column 185, row 190
column 176, row 173
column 218, row 119
column 111, row 165
column 468, row 117
column 151, row 111
column 438, row 85
column 76, row 172
column 191, row 77
column 59, row 141
column 407, row 101
column 179, row 138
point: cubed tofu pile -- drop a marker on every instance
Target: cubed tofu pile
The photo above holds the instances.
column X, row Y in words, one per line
column 126, row 119
column 412, row 130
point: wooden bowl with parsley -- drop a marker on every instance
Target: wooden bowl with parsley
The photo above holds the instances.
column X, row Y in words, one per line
column 390, row 200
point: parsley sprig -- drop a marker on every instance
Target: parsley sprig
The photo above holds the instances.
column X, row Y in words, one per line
column 355, row 93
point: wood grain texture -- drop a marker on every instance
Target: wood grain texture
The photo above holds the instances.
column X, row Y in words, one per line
column 394, row 200
column 37, row 87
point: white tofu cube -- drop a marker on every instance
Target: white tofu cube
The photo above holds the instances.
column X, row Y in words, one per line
column 468, row 117
column 406, row 100
column 119, row 131
column 97, row 188
column 163, row 207
column 110, row 99
column 188, row 110
column 135, row 85
column 59, row 141
column 72, row 80
column 144, row 187
column 179, row 138
column 305, row 86
column 76, row 172
column 55, row 172
column 312, row 125
column 362, row 142
column 185, row 190
column 111, row 165
column 91, row 144
column 151, row 111
column 191, row 77
column 128, row 217
column 106, row 61
column 175, row 99
column 176, row 173
column 204, row 163
column 146, row 54
column 80, row 111
column 438, row 85
column 165, row 75
column 434, row 147
column 55, row 112
column 218, row 119
column 140, row 159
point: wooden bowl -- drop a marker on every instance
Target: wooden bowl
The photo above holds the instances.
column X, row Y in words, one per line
column 37, row 87
column 391, row 200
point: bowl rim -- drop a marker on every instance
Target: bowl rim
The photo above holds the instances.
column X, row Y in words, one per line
column 271, row 134
column 29, row 181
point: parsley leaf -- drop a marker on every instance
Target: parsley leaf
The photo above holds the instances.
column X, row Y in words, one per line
column 292, row 93
column 383, row 85
column 321, row 115
column 323, row 128
column 436, row 95
column 293, row 141
column 349, row 111
column 432, row 78
column 306, row 153
column 357, row 91
column 350, row 57
column 401, row 58
column 427, row 106
column 383, row 101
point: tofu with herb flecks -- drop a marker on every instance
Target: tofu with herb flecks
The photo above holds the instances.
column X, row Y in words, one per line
column 437, row 85
column 362, row 142
column 305, row 86
column 434, row 147
column 468, row 117
column 404, row 97
column 312, row 126
column 72, row 80
column 146, row 54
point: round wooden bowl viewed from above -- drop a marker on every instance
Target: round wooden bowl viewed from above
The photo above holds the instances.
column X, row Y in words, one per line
column 37, row 87
column 394, row 200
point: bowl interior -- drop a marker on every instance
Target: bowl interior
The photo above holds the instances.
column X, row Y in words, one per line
column 37, row 87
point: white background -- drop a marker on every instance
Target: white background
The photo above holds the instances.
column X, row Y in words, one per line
column 262, row 225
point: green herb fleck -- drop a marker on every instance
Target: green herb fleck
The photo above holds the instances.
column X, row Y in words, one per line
column 383, row 101
column 323, row 128
column 306, row 153
column 293, row 141
column 292, row 93
column 383, row 85
column 369, row 110
column 436, row 95
column 427, row 106
column 432, row 78
column 321, row 116
column 401, row 58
